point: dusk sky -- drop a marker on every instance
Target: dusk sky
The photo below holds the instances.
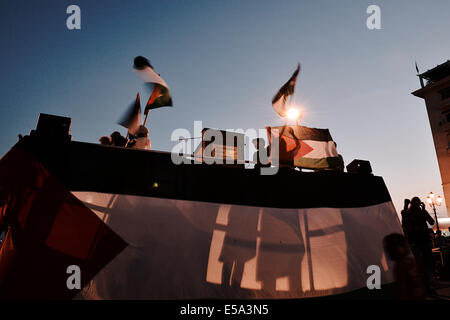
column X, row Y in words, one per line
column 223, row 62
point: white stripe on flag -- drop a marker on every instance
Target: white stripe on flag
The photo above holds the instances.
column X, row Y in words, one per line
column 149, row 75
column 321, row 149
column 184, row 244
column 279, row 107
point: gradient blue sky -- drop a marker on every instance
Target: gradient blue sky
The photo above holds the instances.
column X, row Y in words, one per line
column 224, row 61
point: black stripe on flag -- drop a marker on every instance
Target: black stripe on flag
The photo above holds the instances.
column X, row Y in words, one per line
column 305, row 133
column 288, row 88
column 89, row 167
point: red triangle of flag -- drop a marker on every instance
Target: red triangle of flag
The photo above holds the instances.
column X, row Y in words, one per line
column 49, row 230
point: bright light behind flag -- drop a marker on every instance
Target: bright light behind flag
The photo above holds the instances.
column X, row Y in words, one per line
column 293, row 114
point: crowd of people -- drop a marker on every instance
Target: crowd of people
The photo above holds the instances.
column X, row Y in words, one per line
column 413, row 251
column 139, row 140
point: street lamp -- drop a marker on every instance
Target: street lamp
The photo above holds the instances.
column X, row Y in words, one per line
column 434, row 201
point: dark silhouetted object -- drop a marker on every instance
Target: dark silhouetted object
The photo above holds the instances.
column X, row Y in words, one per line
column 405, row 209
column 408, row 274
column 414, row 223
column 106, row 141
column 141, row 140
column 359, row 166
column 118, row 140
column 53, row 127
column 141, row 62
column 261, row 156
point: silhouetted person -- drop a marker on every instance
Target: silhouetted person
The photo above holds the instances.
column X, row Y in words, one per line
column 260, row 159
column 106, row 141
column 405, row 209
column 408, row 274
column 281, row 252
column 118, row 140
column 239, row 245
column 141, row 140
column 340, row 166
column 414, row 223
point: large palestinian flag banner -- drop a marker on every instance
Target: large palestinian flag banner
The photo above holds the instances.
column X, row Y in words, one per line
column 305, row 147
column 186, row 231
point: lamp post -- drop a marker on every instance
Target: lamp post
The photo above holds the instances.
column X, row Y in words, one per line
column 434, row 201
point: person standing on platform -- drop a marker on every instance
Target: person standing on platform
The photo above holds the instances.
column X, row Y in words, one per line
column 118, row 140
column 106, row 141
column 261, row 156
column 142, row 140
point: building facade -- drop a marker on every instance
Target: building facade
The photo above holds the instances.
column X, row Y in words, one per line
column 435, row 90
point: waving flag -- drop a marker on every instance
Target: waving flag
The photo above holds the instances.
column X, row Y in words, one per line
column 160, row 96
column 307, row 147
column 279, row 100
column 132, row 118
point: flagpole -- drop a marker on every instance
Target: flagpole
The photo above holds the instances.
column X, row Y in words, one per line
column 145, row 120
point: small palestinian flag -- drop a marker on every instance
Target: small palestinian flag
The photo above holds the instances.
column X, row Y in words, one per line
column 279, row 100
column 305, row 147
column 160, row 96
column 132, row 118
